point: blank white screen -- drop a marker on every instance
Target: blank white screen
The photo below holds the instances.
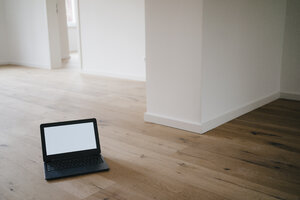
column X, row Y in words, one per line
column 69, row 138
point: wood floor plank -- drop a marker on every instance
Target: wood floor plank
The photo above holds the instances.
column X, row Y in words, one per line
column 256, row 156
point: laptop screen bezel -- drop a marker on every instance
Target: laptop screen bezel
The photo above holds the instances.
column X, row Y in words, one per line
column 61, row 156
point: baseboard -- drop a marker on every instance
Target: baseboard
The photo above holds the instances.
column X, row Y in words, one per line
column 171, row 122
column 113, row 75
column 290, row 96
column 228, row 116
column 27, row 64
column 213, row 123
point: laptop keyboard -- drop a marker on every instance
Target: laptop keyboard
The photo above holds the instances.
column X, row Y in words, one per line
column 73, row 163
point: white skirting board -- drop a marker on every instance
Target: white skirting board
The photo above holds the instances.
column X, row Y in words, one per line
column 113, row 75
column 27, row 64
column 213, row 123
column 290, row 96
column 228, row 116
column 175, row 123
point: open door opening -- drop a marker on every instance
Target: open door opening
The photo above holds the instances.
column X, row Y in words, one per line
column 104, row 37
column 74, row 59
column 63, row 30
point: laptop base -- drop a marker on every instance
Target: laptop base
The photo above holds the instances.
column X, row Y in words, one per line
column 55, row 174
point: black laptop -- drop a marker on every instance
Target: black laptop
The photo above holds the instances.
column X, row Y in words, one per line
column 71, row 148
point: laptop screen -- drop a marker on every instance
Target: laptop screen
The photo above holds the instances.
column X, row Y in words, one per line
column 69, row 138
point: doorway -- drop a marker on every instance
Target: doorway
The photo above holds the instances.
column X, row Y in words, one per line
column 72, row 18
column 110, row 37
column 62, row 16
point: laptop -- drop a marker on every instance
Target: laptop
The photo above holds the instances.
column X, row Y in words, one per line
column 71, row 148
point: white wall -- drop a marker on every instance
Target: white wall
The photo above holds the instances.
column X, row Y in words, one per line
column 63, row 29
column 3, row 35
column 26, row 25
column 73, row 40
column 242, row 50
column 113, row 37
column 58, row 32
column 73, row 34
column 24, row 36
column 173, row 57
column 290, row 77
column 54, row 33
column 197, row 85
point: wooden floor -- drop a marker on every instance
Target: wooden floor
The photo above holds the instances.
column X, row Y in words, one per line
column 256, row 156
